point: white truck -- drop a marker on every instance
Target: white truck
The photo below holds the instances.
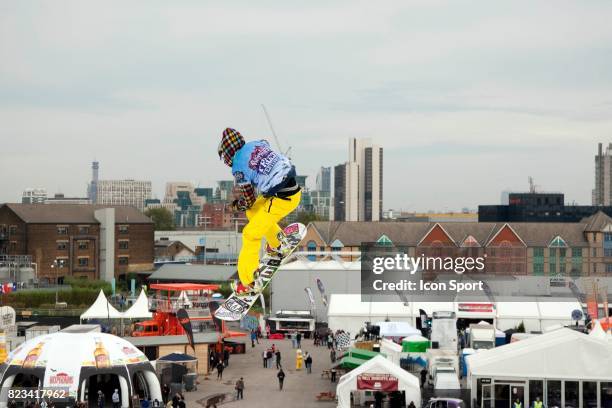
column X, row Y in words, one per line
column 444, row 330
column 482, row 336
column 439, row 361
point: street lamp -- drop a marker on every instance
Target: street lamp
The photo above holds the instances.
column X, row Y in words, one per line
column 56, row 265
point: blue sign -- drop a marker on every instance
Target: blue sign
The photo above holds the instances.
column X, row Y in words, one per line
column 577, row 314
column 202, row 241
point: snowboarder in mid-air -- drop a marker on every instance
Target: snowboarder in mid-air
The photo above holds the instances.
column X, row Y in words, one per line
column 256, row 167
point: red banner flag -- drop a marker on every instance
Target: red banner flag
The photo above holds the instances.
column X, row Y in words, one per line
column 377, row 382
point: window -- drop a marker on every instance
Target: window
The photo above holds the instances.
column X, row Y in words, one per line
column 124, row 229
column 554, row 393
column 536, row 390
column 605, row 392
column 83, row 229
column 83, row 245
column 608, row 268
column 13, row 230
column 538, row 268
column 124, row 260
column 538, row 252
column 83, row 261
column 607, row 236
column 607, row 251
column 62, row 245
column 311, row 247
column 124, row 244
column 62, row 230
column 589, row 394
column 13, row 246
column 552, row 261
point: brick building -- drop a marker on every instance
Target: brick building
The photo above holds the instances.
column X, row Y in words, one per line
column 538, row 249
column 85, row 241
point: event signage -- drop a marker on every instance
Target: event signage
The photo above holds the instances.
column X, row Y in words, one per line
column 377, row 382
column 475, row 307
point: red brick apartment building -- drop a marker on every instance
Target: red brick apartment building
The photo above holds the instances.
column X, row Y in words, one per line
column 539, row 249
column 80, row 240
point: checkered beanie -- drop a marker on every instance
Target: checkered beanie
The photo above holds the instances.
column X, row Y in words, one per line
column 231, row 142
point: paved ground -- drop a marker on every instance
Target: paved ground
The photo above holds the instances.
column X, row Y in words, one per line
column 261, row 385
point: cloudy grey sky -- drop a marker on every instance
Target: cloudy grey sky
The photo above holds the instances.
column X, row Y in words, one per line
column 467, row 98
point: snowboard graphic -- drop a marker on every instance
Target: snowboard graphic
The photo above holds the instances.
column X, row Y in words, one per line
column 236, row 307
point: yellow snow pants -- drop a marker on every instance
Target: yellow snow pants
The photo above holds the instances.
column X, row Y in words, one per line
column 263, row 218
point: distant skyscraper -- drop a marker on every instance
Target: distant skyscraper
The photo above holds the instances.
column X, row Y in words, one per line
column 602, row 193
column 224, row 190
column 358, row 184
column 123, row 192
column 301, row 181
column 346, row 188
column 34, row 196
column 92, row 191
column 324, row 179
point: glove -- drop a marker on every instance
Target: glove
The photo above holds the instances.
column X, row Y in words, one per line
column 240, row 204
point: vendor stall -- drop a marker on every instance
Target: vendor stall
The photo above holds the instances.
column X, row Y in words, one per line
column 378, row 375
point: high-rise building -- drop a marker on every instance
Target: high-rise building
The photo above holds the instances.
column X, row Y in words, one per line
column 346, row 192
column 123, row 192
column 358, row 184
column 224, row 190
column 92, row 190
column 602, row 193
column 34, row 196
column 324, row 179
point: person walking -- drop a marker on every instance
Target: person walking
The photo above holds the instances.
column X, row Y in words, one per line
column 332, row 355
column 281, row 378
column 299, row 359
column 240, row 389
column 293, row 341
column 308, row 362
column 226, row 356
column 264, row 356
column 269, row 358
column 298, row 340
column 278, row 359
column 220, row 368
column 212, row 361
column 115, row 398
column 101, row 399
column 253, row 338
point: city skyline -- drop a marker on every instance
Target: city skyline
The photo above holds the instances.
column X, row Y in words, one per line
column 479, row 95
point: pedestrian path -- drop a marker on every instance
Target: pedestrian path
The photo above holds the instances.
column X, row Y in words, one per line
column 261, row 384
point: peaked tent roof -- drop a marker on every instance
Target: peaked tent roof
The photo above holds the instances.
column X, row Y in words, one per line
column 545, row 356
column 140, row 308
column 377, row 365
column 101, row 309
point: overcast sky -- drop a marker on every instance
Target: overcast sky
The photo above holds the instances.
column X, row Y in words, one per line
column 467, row 98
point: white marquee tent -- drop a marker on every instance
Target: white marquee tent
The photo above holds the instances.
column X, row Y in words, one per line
column 546, row 356
column 378, row 365
column 101, row 309
column 140, row 308
column 396, row 329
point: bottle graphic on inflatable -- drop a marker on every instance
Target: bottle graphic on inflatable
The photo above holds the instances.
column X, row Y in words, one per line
column 33, row 355
column 101, row 355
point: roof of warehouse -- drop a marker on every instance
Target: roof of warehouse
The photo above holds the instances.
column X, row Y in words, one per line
column 74, row 213
column 353, row 233
column 193, row 273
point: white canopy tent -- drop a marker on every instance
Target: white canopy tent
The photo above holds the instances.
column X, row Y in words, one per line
column 397, row 329
column 392, row 350
column 546, row 356
column 140, row 308
column 101, row 309
column 378, row 365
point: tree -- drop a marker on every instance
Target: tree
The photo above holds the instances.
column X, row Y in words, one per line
column 162, row 218
column 308, row 217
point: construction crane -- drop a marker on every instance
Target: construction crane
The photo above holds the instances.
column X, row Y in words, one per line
column 274, row 133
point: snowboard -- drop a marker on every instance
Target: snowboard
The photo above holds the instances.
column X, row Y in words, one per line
column 236, row 307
